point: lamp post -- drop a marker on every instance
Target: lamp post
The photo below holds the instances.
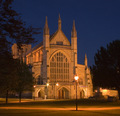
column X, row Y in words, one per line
column 47, row 84
column 76, row 79
column 57, row 84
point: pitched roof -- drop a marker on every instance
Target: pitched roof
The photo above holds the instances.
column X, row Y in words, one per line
column 53, row 35
column 34, row 48
column 41, row 43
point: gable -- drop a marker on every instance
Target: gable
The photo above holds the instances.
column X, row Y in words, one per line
column 58, row 38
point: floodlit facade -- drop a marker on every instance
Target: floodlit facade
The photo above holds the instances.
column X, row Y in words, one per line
column 107, row 93
column 18, row 54
column 54, row 63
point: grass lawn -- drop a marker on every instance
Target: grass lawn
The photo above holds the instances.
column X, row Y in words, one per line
column 58, row 104
column 58, row 113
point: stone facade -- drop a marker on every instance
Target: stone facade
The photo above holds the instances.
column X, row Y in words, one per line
column 20, row 53
column 54, row 63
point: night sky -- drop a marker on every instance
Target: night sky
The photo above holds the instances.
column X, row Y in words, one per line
column 97, row 21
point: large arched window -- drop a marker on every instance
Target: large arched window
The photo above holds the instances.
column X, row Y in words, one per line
column 59, row 68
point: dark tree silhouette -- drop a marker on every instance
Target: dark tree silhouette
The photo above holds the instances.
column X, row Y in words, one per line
column 12, row 30
column 12, row 26
column 7, row 75
column 106, row 71
column 24, row 78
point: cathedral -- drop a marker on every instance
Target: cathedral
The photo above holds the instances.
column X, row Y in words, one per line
column 54, row 66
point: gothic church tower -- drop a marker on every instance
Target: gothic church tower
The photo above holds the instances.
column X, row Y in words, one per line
column 55, row 65
column 74, row 48
column 46, row 36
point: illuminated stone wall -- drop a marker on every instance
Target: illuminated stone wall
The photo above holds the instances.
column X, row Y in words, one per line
column 20, row 53
column 54, row 63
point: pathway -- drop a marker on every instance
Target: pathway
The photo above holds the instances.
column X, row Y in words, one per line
column 31, row 108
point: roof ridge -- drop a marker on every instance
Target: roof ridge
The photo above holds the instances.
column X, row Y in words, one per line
column 35, row 47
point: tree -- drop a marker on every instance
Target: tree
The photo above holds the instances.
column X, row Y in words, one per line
column 7, row 75
column 18, row 78
column 25, row 79
column 106, row 71
column 12, row 30
column 12, row 26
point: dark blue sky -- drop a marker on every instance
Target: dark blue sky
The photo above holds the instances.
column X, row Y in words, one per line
column 97, row 21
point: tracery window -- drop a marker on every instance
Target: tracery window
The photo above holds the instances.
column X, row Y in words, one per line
column 59, row 68
column 81, row 81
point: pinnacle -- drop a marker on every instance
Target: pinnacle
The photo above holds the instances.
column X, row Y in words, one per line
column 85, row 56
column 74, row 32
column 46, row 28
column 86, row 60
column 59, row 23
column 59, row 18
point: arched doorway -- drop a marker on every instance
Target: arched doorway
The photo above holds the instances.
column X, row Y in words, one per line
column 82, row 94
column 63, row 93
column 39, row 94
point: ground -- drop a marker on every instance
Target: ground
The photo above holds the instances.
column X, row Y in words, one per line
column 59, row 108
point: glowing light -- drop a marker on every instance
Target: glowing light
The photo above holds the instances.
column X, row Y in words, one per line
column 47, row 84
column 96, row 91
column 34, row 86
column 57, row 84
column 76, row 77
column 104, row 90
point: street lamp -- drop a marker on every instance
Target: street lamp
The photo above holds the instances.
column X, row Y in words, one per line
column 76, row 79
column 57, row 84
column 47, row 84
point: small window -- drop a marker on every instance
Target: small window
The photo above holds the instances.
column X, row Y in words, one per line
column 81, row 81
column 59, row 43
